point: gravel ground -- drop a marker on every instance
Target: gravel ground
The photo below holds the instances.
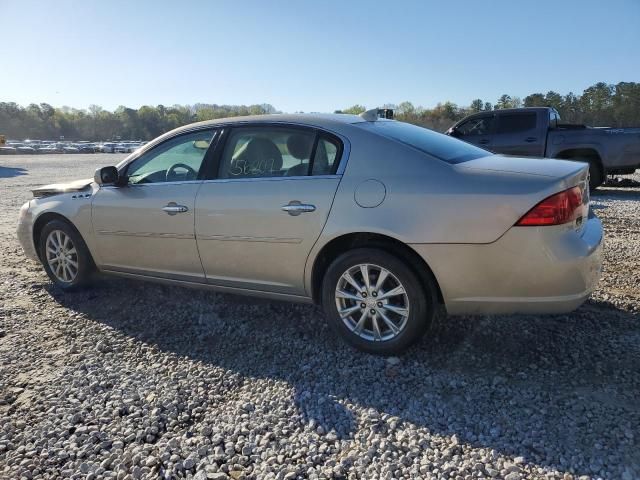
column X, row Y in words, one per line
column 135, row 380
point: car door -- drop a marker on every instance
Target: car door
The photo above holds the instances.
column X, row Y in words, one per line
column 477, row 130
column 519, row 133
column 146, row 225
column 258, row 220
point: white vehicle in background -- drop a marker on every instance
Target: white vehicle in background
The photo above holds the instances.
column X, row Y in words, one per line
column 132, row 146
column 106, row 147
column 126, row 147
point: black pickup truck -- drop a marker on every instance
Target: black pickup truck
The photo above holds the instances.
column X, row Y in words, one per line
column 537, row 132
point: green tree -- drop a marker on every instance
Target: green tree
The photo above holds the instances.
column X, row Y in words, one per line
column 555, row 100
column 535, row 100
column 503, row 102
column 355, row 109
column 406, row 108
column 476, row 105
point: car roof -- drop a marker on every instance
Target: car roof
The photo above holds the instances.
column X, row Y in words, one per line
column 321, row 120
column 513, row 110
column 333, row 122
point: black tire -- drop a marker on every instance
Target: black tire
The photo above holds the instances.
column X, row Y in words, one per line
column 85, row 265
column 596, row 174
column 421, row 298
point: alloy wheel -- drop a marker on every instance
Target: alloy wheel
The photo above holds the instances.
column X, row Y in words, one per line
column 372, row 302
column 62, row 256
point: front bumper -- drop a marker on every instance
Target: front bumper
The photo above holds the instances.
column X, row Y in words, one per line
column 25, row 233
column 527, row 270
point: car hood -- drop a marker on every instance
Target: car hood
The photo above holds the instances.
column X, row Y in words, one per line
column 546, row 167
column 55, row 188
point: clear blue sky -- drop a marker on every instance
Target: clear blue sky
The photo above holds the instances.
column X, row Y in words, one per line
column 309, row 55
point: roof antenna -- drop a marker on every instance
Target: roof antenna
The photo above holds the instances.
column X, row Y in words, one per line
column 370, row 115
column 376, row 113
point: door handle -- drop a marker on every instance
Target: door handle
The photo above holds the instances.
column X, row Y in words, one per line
column 484, row 141
column 530, row 139
column 294, row 207
column 172, row 208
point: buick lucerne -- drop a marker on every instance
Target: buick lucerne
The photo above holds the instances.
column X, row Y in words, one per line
column 378, row 221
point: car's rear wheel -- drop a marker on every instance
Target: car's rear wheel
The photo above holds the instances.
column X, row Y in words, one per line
column 376, row 302
column 65, row 256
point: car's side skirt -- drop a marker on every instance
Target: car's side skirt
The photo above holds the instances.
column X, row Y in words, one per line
column 208, row 286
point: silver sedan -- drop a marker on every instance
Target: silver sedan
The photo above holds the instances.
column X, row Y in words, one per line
column 378, row 221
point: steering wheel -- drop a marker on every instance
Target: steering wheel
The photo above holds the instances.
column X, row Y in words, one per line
column 190, row 175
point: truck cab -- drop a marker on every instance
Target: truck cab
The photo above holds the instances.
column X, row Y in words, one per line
column 537, row 132
column 516, row 131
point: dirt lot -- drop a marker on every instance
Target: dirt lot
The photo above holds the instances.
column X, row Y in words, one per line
column 134, row 380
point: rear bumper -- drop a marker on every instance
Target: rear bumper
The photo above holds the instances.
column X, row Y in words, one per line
column 527, row 270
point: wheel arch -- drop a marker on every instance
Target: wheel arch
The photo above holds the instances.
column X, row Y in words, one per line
column 393, row 246
column 45, row 218
column 582, row 152
column 591, row 155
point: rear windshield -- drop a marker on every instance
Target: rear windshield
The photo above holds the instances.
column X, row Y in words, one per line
column 443, row 147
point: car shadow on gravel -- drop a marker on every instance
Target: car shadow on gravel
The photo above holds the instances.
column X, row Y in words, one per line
column 554, row 390
column 8, row 172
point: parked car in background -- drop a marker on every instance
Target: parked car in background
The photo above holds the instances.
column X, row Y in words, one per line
column 7, row 150
column 25, row 149
column 51, row 148
column 537, row 132
column 126, row 147
column 106, row 147
column 66, row 148
column 376, row 220
column 85, row 148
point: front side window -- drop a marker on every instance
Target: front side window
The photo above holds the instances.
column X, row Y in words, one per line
column 514, row 123
column 177, row 159
column 476, row 126
column 267, row 152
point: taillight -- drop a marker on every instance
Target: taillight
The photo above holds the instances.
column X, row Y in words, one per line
column 563, row 207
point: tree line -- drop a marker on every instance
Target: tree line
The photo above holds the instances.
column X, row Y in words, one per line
column 599, row 105
column 46, row 122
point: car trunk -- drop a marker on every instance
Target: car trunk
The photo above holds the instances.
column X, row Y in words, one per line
column 556, row 169
column 503, row 189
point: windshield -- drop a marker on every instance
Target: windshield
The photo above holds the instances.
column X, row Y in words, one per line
column 441, row 146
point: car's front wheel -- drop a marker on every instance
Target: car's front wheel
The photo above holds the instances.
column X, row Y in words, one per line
column 65, row 256
column 376, row 302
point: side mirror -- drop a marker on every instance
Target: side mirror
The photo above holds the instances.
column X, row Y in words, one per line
column 452, row 132
column 106, row 175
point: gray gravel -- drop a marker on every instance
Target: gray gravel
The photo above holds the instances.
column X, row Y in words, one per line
column 132, row 380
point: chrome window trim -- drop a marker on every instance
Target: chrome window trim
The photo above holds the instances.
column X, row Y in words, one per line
column 227, row 180
column 342, row 165
column 272, row 179
column 154, row 184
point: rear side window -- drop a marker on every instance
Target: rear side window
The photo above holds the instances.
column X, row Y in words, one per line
column 267, row 152
column 443, row 147
column 513, row 123
column 277, row 151
column 326, row 156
